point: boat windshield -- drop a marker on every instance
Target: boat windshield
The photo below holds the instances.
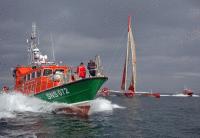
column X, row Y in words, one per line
column 59, row 70
column 47, row 72
column 38, row 73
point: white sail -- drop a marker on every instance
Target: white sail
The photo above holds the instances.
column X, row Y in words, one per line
column 133, row 54
column 130, row 49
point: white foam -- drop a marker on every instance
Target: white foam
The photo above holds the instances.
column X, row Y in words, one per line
column 16, row 102
column 102, row 105
column 180, row 95
column 10, row 103
column 7, row 115
column 118, row 106
column 165, row 95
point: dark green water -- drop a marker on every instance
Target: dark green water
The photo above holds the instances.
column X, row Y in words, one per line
column 141, row 117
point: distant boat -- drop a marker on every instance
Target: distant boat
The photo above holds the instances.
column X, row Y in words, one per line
column 187, row 92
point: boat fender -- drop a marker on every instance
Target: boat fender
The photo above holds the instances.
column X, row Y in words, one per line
column 105, row 91
column 129, row 93
column 5, row 89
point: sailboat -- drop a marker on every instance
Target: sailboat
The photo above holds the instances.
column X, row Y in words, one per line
column 130, row 54
column 186, row 92
column 128, row 85
column 127, row 88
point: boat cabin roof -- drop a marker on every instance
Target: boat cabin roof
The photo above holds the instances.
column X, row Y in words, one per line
column 24, row 70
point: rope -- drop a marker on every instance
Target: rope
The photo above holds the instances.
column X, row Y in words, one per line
column 119, row 51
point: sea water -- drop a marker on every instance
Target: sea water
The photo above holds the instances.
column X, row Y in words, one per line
column 113, row 116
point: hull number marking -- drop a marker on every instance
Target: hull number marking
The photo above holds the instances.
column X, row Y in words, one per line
column 57, row 93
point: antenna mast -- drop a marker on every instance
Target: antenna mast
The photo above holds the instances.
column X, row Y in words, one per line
column 32, row 44
column 53, row 50
column 34, row 55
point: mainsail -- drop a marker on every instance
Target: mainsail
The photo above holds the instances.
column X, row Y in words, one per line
column 130, row 49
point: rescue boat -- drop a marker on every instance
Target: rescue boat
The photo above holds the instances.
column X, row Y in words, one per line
column 187, row 92
column 53, row 82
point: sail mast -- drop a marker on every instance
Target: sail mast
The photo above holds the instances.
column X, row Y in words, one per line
column 53, row 48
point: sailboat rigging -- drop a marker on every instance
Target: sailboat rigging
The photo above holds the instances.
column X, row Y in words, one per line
column 130, row 60
column 130, row 49
column 129, row 75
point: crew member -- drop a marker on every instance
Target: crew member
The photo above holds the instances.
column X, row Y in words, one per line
column 5, row 89
column 81, row 70
column 92, row 68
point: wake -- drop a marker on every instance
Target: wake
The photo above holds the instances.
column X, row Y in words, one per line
column 11, row 103
column 103, row 105
column 178, row 95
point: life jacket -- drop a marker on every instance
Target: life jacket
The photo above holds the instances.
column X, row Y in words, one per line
column 81, row 70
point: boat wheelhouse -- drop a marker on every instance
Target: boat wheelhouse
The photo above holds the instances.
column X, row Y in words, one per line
column 33, row 80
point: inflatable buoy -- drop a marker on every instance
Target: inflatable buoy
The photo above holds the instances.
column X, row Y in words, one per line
column 105, row 91
column 5, row 89
column 129, row 93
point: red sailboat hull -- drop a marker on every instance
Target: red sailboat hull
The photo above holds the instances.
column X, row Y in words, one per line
column 156, row 95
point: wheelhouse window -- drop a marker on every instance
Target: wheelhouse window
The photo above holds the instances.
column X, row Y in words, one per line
column 59, row 70
column 47, row 72
column 28, row 76
column 38, row 73
column 24, row 78
column 33, row 75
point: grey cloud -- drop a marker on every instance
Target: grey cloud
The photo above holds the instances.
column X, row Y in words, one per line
column 166, row 34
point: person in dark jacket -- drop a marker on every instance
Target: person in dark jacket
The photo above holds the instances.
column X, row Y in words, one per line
column 92, row 68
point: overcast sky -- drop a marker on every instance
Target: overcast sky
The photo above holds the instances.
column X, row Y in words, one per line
column 167, row 36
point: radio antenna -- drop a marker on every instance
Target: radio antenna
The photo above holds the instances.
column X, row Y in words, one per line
column 52, row 46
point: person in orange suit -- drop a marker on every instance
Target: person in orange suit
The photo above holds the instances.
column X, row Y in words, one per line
column 81, row 70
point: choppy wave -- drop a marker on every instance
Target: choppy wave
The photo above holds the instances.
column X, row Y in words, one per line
column 14, row 102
